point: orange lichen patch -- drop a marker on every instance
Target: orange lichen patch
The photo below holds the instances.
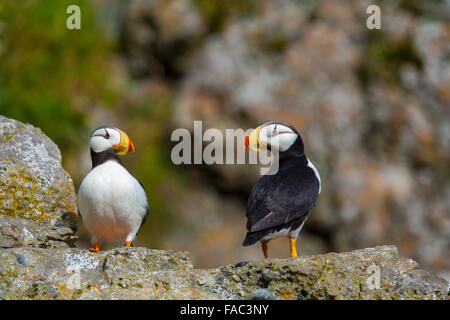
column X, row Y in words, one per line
column 286, row 294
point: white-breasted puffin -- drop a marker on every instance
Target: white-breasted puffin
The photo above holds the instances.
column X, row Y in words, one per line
column 112, row 203
column 279, row 204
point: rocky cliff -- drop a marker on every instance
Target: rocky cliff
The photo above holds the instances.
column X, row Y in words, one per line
column 38, row 258
column 40, row 265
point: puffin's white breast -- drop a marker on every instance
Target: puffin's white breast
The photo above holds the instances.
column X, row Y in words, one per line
column 111, row 202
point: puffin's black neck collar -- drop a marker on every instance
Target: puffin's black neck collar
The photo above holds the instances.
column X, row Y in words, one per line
column 295, row 151
column 99, row 158
column 294, row 155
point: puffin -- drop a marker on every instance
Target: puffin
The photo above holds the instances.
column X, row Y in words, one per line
column 112, row 203
column 280, row 203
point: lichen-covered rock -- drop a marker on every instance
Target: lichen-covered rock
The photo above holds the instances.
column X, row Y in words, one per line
column 70, row 273
column 33, row 184
column 372, row 273
column 140, row 273
column 22, row 232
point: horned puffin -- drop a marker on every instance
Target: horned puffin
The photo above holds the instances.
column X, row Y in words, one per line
column 112, row 203
column 280, row 203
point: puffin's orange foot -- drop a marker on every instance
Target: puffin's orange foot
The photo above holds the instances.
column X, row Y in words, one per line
column 96, row 247
column 293, row 250
column 265, row 249
column 127, row 243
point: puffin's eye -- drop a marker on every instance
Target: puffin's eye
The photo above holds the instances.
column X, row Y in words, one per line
column 106, row 135
column 274, row 131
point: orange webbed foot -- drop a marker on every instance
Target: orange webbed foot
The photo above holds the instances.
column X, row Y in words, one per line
column 265, row 249
column 96, row 247
column 293, row 249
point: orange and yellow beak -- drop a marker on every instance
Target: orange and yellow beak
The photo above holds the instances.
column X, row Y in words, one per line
column 252, row 141
column 125, row 146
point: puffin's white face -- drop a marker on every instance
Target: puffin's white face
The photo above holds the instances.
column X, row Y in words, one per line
column 111, row 138
column 278, row 136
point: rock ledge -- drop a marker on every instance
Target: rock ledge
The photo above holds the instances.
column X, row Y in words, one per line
column 30, row 272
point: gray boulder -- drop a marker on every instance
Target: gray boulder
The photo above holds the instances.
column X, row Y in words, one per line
column 22, row 232
column 33, row 184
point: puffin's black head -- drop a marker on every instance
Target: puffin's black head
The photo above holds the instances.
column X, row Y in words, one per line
column 276, row 135
column 111, row 139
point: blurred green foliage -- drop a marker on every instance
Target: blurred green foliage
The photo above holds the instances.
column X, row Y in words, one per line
column 152, row 165
column 48, row 72
column 384, row 59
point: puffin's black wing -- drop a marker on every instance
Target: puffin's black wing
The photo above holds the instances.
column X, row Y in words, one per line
column 281, row 198
column 256, row 207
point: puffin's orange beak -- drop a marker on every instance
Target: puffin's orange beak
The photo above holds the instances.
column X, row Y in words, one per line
column 130, row 146
column 125, row 146
column 252, row 141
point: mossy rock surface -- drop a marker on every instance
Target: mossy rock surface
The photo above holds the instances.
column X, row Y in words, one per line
column 140, row 273
column 33, row 184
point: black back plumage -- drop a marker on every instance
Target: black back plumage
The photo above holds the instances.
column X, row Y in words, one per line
column 283, row 199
